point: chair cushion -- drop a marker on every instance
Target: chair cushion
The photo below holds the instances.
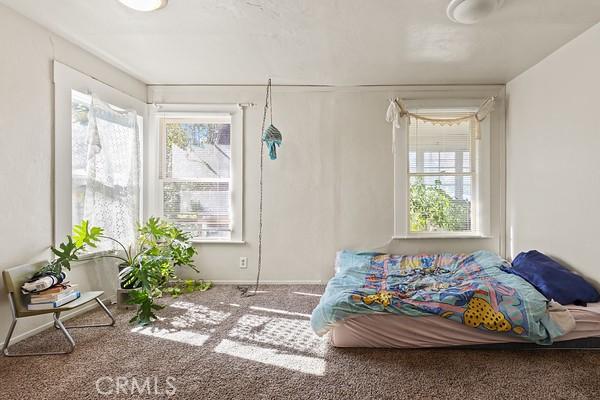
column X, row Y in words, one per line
column 552, row 279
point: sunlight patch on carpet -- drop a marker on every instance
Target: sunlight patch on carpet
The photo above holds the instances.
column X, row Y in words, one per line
column 196, row 314
column 187, row 337
column 294, row 334
column 276, row 311
column 308, row 294
column 305, row 364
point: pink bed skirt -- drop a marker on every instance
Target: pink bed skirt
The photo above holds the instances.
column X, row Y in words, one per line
column 398, row 331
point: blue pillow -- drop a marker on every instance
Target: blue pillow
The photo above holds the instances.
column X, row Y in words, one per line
column 552, row 279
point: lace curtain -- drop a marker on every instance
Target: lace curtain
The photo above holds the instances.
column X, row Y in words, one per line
column 112, row 192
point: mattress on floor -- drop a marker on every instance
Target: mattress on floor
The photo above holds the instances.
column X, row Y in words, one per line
column 400, row 331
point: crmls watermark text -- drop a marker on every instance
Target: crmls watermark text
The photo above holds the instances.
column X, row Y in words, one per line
column 150, row 385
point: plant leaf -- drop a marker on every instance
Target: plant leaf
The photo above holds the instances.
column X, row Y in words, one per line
column 83, row 234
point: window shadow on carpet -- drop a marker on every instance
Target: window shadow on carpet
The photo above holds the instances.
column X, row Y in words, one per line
column 269, row 336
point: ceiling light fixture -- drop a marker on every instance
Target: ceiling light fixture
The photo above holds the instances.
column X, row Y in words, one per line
column 144, row 5
column 471, row 11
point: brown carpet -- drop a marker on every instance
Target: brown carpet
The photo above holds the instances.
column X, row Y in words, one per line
column 216, row 345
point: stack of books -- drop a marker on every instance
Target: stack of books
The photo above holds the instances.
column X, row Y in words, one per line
column 53, row 297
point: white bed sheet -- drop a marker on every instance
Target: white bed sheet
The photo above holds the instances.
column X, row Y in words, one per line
column 398, row 331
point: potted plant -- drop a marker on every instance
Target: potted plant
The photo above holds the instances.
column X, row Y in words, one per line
column 146, row 268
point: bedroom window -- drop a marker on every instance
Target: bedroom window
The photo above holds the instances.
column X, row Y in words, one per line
column 98, row 156
column 199, row 185
column 442, row 175
column 106, row 166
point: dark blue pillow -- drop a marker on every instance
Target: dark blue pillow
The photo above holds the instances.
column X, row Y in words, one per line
column 552, row 279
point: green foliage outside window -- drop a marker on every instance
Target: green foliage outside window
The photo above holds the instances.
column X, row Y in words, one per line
column 433, row 209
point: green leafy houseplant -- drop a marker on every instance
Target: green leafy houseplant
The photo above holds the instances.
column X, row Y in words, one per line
column 147, row 267
column 176, row 288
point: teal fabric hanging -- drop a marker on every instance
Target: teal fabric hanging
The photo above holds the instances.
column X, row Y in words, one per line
column 271, row 136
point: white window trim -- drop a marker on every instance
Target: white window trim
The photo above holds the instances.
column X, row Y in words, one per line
column 153, row 193
column 65, row 80
column 481, row 186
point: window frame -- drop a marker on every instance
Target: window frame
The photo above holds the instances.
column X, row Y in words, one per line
column 154, row 194
column 67, row 79
column 480, row 172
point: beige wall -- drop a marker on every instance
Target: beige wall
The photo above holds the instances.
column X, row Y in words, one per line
column 332, row 186
column 553, row 163
column 26, row 131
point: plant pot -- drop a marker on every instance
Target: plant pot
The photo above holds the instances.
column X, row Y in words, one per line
column 123, row 300
column 123, row 292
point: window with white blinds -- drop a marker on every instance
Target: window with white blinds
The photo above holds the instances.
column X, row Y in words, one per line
column 441, row 176
column 196, row 174
column 442, row 172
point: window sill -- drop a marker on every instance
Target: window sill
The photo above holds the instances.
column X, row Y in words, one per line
column 201, row 241
column 442, row 236
column 94, row 255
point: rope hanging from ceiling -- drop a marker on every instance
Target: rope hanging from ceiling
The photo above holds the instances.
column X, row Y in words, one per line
column 271, row 138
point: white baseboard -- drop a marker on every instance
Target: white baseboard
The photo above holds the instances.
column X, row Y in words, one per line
column 266, row 282
column 49, row 324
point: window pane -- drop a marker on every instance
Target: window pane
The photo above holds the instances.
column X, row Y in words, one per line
column 80, row 107
column 202, row 208
column 466, row 161
column 206, row 231
column 440, row 203
column 412, row 161
column 199, row 149
column 196, row 173
column 439, row 148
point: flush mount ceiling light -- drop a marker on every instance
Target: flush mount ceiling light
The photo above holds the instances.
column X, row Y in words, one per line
column 144, row 5
column 471, row 11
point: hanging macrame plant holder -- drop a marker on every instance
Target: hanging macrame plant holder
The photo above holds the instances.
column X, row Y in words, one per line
column 271, row 138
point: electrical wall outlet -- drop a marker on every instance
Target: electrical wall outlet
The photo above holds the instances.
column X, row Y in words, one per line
column 243, row 262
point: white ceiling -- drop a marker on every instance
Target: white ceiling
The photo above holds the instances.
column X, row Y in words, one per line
column 338, row 42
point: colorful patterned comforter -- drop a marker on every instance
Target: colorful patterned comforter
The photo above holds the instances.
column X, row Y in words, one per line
column 471, row 289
